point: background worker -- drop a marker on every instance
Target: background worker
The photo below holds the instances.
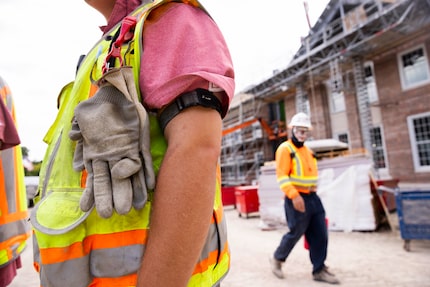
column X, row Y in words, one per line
column 14, row 228
column 297, row 176
column 177, row 230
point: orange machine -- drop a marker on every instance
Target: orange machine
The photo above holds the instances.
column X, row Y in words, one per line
column 272, row 133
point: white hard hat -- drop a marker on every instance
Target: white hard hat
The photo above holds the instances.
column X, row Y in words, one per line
column 300, row 120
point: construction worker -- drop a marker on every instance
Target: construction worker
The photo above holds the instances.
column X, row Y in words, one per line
column 170, row 231
column 14, row 229
column 297, row 176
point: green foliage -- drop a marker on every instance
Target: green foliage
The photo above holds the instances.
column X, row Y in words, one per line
column 36, row 169
column 25, row 151
column 36, row 164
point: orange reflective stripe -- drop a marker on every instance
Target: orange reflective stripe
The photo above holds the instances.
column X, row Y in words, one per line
column 21, row 215
column 59, row 254
column 123, row 281
column 211, row 260
column 98, row 241
column 16, row 239
column 4, row 91
column 114, row 240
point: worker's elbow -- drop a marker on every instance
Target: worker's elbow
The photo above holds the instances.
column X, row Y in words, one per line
column 209, row 152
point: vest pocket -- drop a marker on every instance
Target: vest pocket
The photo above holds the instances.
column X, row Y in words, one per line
column 58, row 212
column 59, row 249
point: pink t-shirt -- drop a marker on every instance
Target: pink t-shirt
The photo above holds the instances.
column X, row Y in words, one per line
column 183, row 49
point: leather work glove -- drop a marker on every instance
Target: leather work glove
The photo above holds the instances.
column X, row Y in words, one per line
column 113, row 129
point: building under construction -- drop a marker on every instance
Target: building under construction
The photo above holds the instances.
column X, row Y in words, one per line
column 363, row 76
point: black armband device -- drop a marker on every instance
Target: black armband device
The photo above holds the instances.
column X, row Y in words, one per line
column 198, row 97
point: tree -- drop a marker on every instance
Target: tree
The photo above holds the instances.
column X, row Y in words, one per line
column 30, row 168
column 25, row 152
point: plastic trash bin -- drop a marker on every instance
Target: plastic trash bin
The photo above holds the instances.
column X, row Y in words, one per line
column 247, row 200
column 228, row 196
column 413, row 209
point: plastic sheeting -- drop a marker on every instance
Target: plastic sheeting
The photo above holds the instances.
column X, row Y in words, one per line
column 343, row 188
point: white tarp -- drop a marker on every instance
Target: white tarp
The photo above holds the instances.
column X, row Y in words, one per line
column 344, row 191
column 347, row 199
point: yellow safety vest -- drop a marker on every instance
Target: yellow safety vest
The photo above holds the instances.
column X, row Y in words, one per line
column 14, row 228
column 80, row 249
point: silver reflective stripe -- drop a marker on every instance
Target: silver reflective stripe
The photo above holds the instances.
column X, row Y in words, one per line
column 36, row 251
column 116, row 262
column 13, row 229
column 50, row 165
column 298, row 160
column 9, row 178
column 70, row 273
column 222, row 228
column 212, row 239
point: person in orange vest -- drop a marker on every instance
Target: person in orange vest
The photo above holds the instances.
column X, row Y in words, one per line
column 14, row 229
column 297, row 176
column 173, row 234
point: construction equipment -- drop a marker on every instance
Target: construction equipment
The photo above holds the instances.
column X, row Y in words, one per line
column 272, row 133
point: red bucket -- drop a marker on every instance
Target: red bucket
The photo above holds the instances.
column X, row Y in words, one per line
column 306, row 241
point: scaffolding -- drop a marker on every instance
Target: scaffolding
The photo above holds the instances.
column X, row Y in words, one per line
column 248, row 140
column 345, row 30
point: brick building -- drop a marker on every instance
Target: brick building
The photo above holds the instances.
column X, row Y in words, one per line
column 363, row 75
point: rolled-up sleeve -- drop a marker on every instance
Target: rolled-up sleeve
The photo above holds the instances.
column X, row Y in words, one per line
column 183, row 49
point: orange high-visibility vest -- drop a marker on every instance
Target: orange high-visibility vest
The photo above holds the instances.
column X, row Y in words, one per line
column 14, row 229
column 80, row 249
column 296, row 169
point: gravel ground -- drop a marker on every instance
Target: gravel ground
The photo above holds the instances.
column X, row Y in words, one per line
column 371, row 259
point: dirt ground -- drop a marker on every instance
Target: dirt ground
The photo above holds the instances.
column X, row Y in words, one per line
column 371, row 259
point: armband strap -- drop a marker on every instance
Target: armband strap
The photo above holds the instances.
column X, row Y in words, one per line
column 198, row 97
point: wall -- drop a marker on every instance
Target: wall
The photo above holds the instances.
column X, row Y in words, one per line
column 396, row 105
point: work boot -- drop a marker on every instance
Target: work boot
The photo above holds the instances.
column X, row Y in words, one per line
column 276, row 266
column 326, row 276
column 327, row 270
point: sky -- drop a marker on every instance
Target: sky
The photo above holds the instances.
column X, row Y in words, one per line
column 41, row 41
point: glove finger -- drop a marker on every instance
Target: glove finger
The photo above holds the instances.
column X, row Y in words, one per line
column 125, row 168
column 147, row 157
column 140, row 192
column 102, row 188
column 75, row 132
column 145, row 139
column 87, row 198
column 78, row 156
column 122, row 192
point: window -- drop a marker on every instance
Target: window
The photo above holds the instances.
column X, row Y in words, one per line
column 419, row 132
column 337, row 102
column 369, row 79
column 377, row 147
column 414, row 68
column 343, row 138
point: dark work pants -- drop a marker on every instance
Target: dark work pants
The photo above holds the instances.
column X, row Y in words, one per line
column 311, row 223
